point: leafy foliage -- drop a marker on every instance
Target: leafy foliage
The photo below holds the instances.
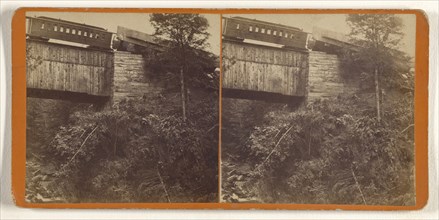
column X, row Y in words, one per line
column 186, row 37
column 332, row 151
column 134, row 153
column 199, row 68
column 182, row 30
column 376, row 56
column 377, row 37
column 395, row 70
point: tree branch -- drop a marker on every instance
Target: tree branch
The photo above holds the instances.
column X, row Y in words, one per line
column 277, row 144
column 163, row 185
column 358, row 186
column 405, row 129
column 83, row 143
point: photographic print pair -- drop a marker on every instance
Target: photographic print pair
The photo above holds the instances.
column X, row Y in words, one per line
column 254, row 108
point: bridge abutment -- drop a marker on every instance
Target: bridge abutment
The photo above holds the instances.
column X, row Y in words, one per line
column 325, row 77
column 132, row 78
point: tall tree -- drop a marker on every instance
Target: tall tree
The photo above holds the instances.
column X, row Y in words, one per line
column 183, row 33
column 378, row 36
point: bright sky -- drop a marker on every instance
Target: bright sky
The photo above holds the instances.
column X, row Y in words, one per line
column 136, row 21
column 140, row 22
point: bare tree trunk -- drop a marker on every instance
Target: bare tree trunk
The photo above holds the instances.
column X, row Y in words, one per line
column 183, row 93
column 377, row 95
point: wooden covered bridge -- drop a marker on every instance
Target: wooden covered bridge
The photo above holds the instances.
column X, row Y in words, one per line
column 286, row 72
column 83, row 63
column 273, row 62
column 263, row 60
column 262, row 72
column 72, row 73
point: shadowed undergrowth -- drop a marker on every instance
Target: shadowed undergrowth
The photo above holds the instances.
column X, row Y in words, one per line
column 331, row 151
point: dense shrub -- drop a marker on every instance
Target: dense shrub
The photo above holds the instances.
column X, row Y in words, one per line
column 332, row 151
column 137, row 151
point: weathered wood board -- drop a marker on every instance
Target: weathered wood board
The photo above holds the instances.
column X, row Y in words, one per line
column 266, row 69
column 56, row 67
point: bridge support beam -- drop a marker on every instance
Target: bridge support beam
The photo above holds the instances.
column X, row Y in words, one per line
column 99, row 101
column 262, row 96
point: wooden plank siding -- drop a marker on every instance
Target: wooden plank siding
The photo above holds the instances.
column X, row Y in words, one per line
column 56, row 67
column 266, row 69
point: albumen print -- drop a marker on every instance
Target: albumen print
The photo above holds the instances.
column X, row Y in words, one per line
column 122, row 107
column 318, row 109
